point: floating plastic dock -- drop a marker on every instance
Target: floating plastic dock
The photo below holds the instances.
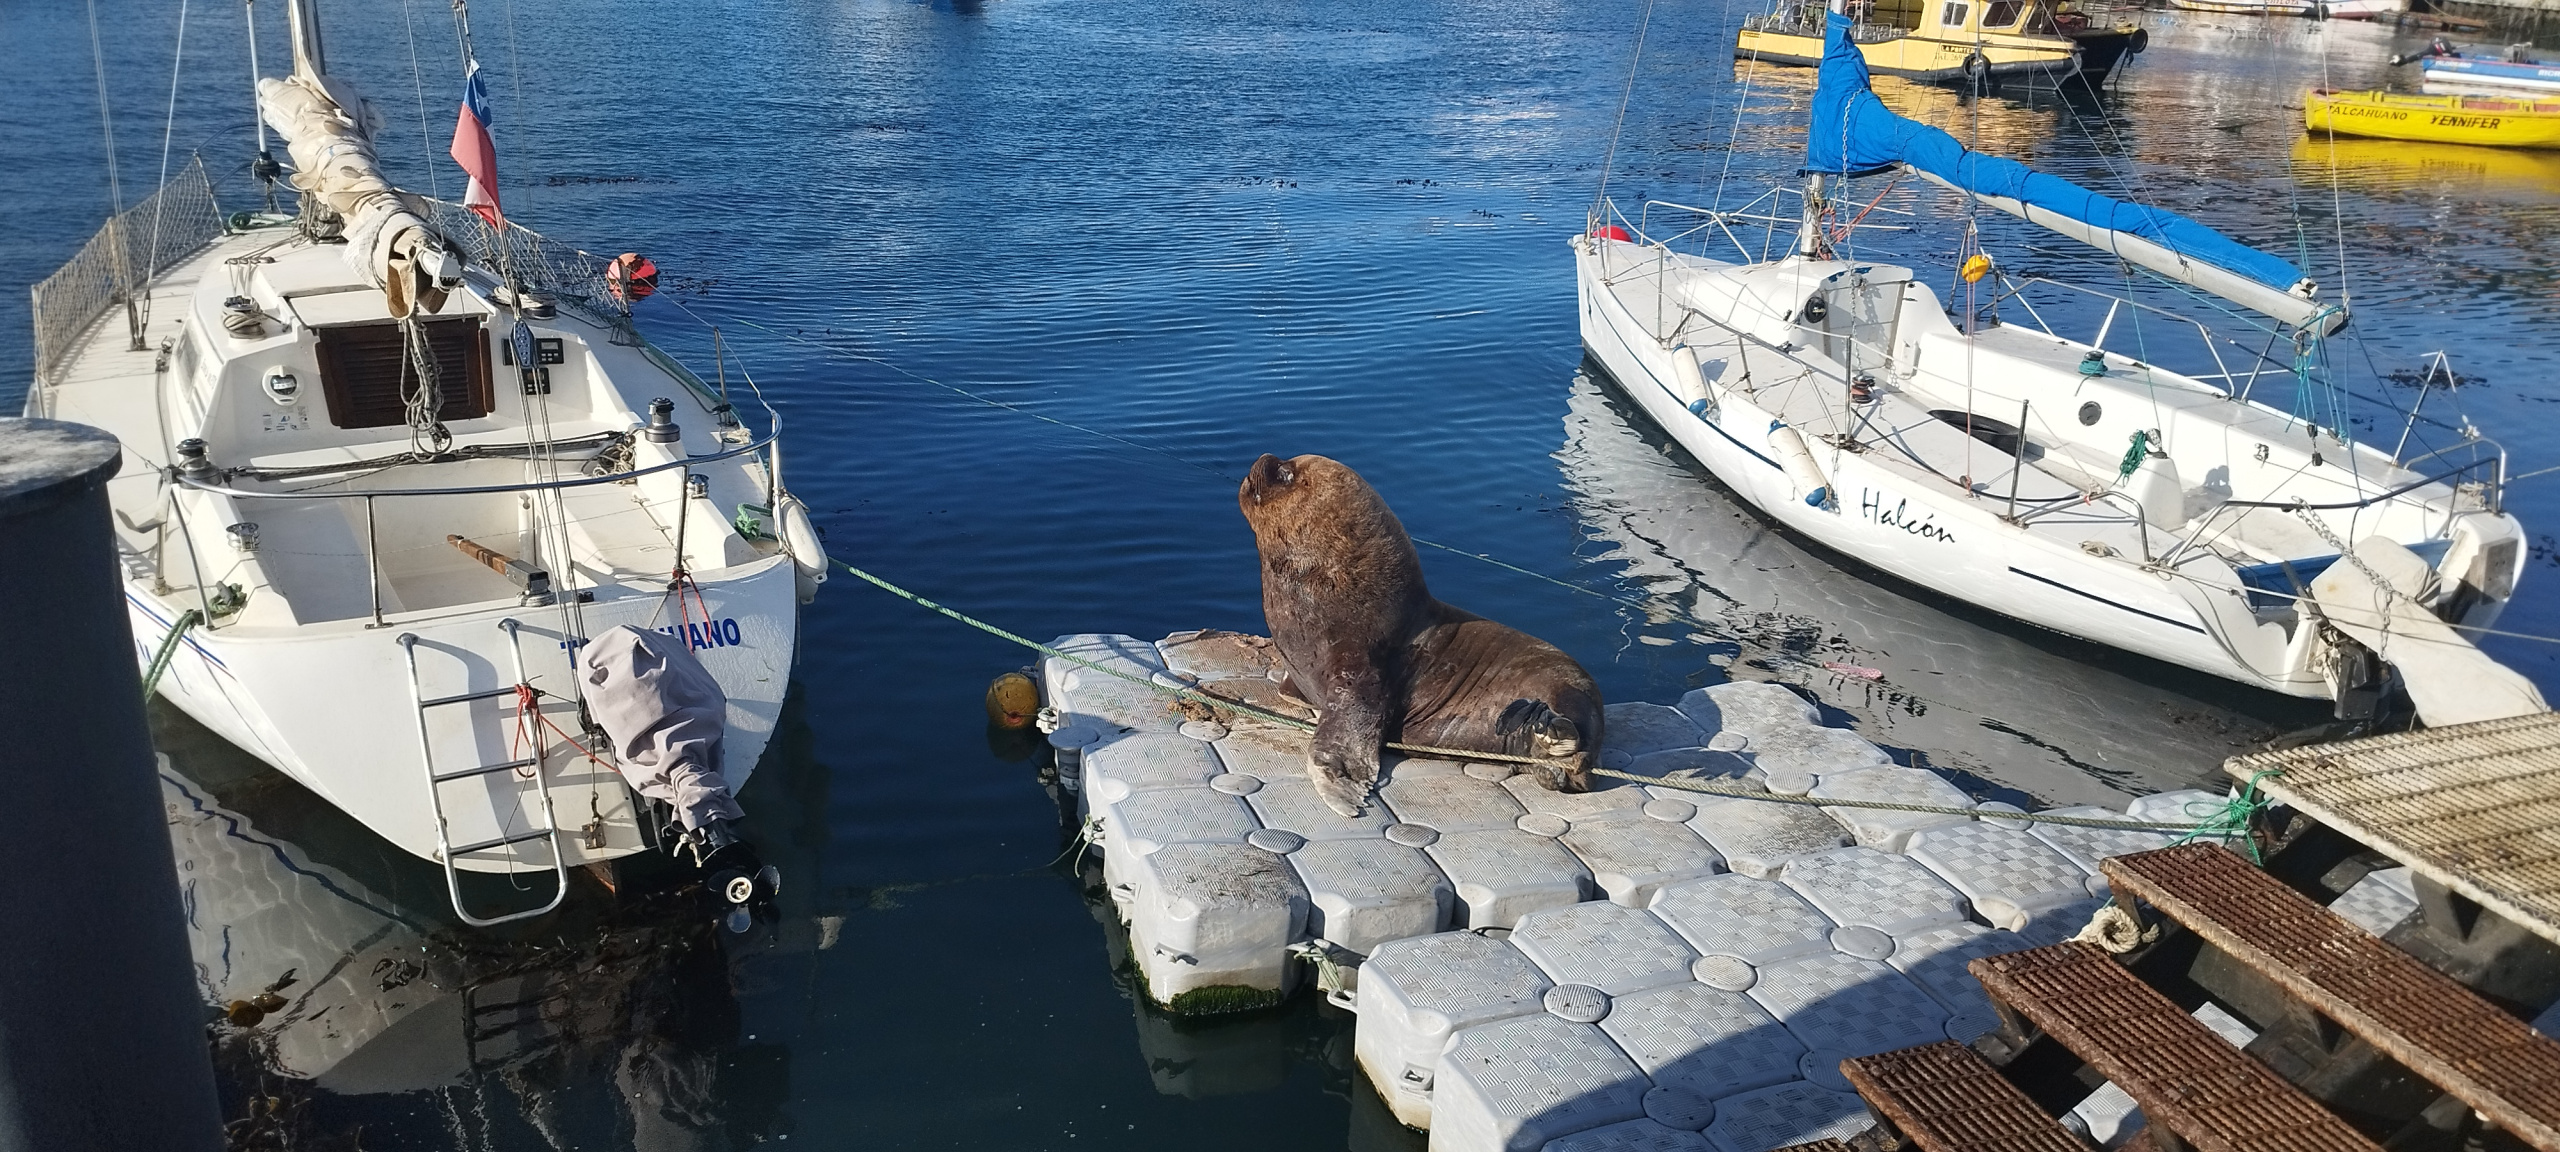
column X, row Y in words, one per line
column 1632, row 967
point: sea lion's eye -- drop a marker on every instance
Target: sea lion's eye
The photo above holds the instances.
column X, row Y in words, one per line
column 1286, row 473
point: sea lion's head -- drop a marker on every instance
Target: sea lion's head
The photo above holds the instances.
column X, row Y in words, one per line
column 1313, row 515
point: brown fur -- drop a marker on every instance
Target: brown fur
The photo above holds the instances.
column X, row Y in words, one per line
column 1364, row 641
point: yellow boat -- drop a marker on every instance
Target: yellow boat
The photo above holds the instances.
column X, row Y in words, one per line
column 2497, row 121
column 1928, row 39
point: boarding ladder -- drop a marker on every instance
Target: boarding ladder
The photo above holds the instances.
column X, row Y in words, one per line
column 446, row 849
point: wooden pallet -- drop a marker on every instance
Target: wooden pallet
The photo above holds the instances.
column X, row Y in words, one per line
column 2188, row 1080
column 1944, row 1098
column 2441, row 1030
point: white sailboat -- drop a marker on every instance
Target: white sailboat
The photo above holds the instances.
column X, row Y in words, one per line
column 387, row 466
column 2055, row 481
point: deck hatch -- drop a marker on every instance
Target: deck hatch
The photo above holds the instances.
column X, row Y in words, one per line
column 363, row 367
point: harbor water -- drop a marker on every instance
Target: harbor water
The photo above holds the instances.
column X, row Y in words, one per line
column 1032, row 282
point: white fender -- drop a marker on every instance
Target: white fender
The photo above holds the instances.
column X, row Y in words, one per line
column 1688, row 382
column 1798, row 462
column 800, row 539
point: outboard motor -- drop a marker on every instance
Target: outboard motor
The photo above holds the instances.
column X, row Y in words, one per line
column 665, row 714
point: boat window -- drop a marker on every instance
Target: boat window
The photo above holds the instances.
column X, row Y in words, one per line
column 2002, row 13
column 1953, row 16
column 365, row 367
column 1999, row 434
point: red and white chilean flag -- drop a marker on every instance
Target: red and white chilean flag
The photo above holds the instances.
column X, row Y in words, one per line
column 473, row 150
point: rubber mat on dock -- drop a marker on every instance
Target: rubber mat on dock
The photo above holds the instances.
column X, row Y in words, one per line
column 2443, row 1031
column 1945, row 1099
column 2186, row 1079
column 2468, row 805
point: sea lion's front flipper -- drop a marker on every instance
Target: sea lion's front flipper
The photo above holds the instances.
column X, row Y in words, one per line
column 1342, row 758
column 1531, row 728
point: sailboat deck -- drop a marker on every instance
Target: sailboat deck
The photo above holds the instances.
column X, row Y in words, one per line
column 1935, row 382
column 1900, row 428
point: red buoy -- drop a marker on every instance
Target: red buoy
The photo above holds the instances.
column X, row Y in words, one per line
column 631, row 277
column 1612, row 232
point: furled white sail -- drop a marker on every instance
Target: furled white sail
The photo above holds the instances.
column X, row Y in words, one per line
column 325, row 124
column 2297, row 308
column 1854, row 132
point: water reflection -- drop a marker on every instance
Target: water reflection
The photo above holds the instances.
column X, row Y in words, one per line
column 2420, row 171
column 386, row 1024
column 2010, row 705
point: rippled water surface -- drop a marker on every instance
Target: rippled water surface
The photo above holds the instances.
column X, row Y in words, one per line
column 1208, row 230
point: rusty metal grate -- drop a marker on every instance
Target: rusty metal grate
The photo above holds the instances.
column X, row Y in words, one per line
column 2471, row 806
column 1945, row 1099
column 2443, row 1031
column 2186, row 1079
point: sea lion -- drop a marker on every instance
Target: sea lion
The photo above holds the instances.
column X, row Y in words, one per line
column 1380, row 659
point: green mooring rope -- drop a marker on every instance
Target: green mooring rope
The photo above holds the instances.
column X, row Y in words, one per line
column 168, row 648
column 2232, row 819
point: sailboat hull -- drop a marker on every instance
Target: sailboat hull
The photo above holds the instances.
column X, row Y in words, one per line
column 331, row 707
column 2081, row 573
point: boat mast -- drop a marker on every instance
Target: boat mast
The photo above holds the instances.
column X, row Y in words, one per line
column 1809, row 239
column 264, row 167
column 1809, row 234
column 302, row 21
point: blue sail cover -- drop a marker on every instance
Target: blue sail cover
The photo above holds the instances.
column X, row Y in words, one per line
column 1854, row 132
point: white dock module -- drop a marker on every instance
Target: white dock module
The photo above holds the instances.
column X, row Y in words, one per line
column 1793, row 1113
column 1839, row 1006
column 1757, row 837
column 2087, row 846
column 1935, row 959
column 1499, row 872
column 1098, row 700
column 1213, row 922
column 1699, row 1045
column 2184, row 806
column 1631, row 843
column 1415, row 993
column 1631, row 1136
column 1512, row 1085
column 1173, row 773
column 2380, row 901
column 1445, row 798
column 1782, row 734
column 2008, row 873
column 1742, row 919
column 1885, row 828
column 1631, row 860
column 1363, row 893
column 1615, row 949
column 1289, row 803
column 1751, row 709
column 1638, row 729
column 1140, row 822
column 1894, row 894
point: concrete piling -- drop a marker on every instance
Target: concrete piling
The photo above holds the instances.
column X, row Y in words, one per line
column 102, row 1041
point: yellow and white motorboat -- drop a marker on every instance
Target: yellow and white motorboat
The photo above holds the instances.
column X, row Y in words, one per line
column 2497, row 121
column 1927, row 39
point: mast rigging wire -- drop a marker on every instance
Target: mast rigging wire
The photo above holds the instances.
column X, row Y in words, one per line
column 168, row 130
column 1610, row 158
column 418, row 85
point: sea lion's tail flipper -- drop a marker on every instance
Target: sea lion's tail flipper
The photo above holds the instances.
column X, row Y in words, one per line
column 1532, row 728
